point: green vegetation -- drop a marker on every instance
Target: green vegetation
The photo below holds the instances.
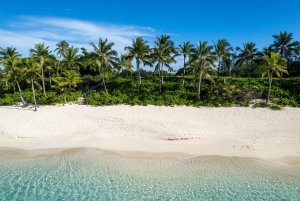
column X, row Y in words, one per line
column 211, row 75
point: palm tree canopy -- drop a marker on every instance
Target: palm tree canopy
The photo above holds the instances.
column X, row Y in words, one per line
column 222, row 48
column 284, row 45
column 70, row 78
column 275, row 63
column 185, row 48
column 163, row 39
column 201, row 56
column 124, row 63
column 71, row 58
column 139, row 50
column 105, row 54
column 62, row 47
column 9, row 51
column 247, row 54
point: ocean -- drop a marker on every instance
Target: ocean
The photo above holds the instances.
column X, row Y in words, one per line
column 93, row 174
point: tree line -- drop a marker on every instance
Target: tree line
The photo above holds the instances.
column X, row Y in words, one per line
column 66, row 66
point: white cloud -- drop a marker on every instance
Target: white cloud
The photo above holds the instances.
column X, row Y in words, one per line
column 28, row 31
column 25, row 32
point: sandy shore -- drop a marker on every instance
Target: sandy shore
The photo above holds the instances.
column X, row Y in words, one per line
column 154, row 131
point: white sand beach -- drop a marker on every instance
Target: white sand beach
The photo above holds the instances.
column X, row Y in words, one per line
column 153, row 131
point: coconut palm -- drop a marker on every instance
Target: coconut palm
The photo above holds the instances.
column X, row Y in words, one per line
column 185, row 50
column 10, row 60
column 162, row 55
column 124, row 63
column 9, row 51
column 166, row 52
column 62, row 47
column 284, row 45
column 41, row 54
column 71, row 58
column 67, row 81
column 273, row 63
column 246, row 56
column 106, row 58
column 223, row 52
column 201, row 57
column 31, row 69
column 140, row 52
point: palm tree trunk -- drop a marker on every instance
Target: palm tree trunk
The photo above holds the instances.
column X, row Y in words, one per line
column 219, row 69
column 138, row 74
column 50, row 78
column 199, row 84
column 183, row 69
column 248, row 74
column 20, row 92
column 6, row 83
column 162, row 74
column 281, row 74
column 270, row 84
column 140, row 78
column 281, row 77
column 103, row 80
column 57, row 70
column 43, row 80
column 32, row 86
column 159, row 76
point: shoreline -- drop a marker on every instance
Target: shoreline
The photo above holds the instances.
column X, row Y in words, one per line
column 11, row 153
column 156, row 131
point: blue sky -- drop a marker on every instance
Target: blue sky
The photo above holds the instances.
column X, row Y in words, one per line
column 25, row 23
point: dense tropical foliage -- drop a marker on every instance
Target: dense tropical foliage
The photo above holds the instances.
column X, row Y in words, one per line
column 211, row 75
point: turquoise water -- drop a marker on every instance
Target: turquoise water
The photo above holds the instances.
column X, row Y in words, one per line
column 91, row 174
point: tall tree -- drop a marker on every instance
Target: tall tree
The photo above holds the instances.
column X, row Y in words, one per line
column 10, row 59
column 284, row 45
column 67, row 81
column 62, row 47
column 246, row 56
column 9, row 51
column 71, row 59
column 162, row 55
column 31, row 70
column 140, row 52
column 201, row 57
column 41, row 54
column 124, row 63
column 273, row 63
column 185, row 50
column 106, row 57
column 223, row 51
column 167, row 54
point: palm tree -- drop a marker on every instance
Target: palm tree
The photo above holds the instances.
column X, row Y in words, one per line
column 162, row 55
column 140, row 52
column 9, row 51
column 41, row 54
column 10, row 60
column 222, row 51
column 106, row 57
column 71, row 58
column 247, row 55
column 166, row 55
column 67, row 81
column 273, row 63
column 32, row 71
column 62, row 47
column 201, row 57
column 283, row 45
column 124, row 63
column 185, row 50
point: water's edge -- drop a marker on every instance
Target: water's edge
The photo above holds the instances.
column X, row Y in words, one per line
column 11, row 152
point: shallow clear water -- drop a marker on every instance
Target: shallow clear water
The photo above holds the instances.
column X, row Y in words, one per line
column 91, row 174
